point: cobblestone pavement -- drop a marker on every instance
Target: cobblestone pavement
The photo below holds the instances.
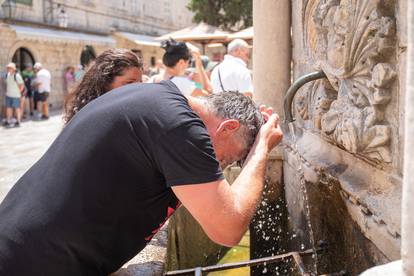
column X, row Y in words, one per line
column 21, row 147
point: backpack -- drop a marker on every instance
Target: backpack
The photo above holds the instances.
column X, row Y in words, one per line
column 24, row 91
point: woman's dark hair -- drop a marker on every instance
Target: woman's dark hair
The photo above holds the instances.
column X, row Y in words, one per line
column 99, row 77
column 174, row 51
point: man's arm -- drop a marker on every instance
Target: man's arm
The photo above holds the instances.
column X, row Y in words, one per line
column 20, row 83
column 225, row 211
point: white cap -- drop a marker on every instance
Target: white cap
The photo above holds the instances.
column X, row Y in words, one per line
column 236, row 44
column 37, row 65
column 12, row 65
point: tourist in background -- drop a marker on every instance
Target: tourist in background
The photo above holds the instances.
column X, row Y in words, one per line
column 176, row 59
column 232, row 73
column 198, row 72
column 69, row 78
column 111, row 69
column 15, row 87
column 28, row 75
column 156, row 67
column 43, row 79
column 79, row 73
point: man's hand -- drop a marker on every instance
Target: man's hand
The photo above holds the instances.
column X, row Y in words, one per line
column 266, row 112
column 270, row 133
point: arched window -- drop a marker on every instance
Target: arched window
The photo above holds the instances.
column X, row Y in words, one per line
column 22, row 57
column 88, row 54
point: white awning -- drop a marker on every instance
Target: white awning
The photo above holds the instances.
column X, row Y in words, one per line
column 33, row 33
column 201, row 33
column 140, row 39
column 243, row 34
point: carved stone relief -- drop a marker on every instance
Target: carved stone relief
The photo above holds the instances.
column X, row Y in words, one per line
column 352, row 41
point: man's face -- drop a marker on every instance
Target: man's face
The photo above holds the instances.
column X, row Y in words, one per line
column 10, row 70
column 228, row 146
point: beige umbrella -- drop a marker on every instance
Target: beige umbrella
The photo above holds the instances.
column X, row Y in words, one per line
column 246, row 34
column 201, row 33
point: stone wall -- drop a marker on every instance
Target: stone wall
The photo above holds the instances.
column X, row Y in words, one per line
column 348, row 131
column 154, row 17
column 146, row 50
column 54, row 56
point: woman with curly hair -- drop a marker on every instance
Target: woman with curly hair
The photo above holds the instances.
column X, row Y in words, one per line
column 110, row 70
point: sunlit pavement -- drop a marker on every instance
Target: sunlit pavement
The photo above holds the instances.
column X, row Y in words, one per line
column 21, row 147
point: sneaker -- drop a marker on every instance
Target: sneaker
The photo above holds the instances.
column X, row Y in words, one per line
column 17, row 124
column 45, row 117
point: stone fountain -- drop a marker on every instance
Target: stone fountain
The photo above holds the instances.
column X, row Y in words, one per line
column 348, row 128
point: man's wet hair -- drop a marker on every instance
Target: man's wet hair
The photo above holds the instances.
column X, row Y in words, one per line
column 174, row 51
column 235, row 105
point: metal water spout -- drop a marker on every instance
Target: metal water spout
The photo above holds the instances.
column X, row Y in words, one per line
column 287, row 105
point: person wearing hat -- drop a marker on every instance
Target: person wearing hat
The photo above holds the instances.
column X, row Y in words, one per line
column 43, row 78
column 15, row 87
column 232, row 73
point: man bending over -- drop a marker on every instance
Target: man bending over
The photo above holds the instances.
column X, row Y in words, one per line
column 122, row 166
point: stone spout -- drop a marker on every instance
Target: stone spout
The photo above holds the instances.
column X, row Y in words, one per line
column 287, row 105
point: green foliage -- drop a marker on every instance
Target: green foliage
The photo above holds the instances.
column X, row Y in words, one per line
column 228, row 14
column 25, row 2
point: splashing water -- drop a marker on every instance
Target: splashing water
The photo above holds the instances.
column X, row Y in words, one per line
column 304, row 191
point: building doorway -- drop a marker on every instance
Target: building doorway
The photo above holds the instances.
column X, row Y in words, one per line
column 23, row 58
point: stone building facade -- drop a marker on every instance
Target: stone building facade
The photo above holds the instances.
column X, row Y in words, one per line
column 55, row 33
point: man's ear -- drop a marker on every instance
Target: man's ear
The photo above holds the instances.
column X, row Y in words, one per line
column 228, row 127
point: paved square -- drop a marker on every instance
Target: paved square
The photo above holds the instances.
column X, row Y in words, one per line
column 21, row 147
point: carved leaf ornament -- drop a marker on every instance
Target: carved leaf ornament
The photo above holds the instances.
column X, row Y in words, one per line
column 351, row 41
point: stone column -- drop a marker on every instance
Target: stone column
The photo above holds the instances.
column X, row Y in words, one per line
column 271, row 79
column 407, row 224
column 271, row 51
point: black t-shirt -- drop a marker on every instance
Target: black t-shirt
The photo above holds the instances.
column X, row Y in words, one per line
column 102, row 190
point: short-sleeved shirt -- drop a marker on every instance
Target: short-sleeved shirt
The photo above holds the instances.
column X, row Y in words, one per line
column 185, row 85
column 43, row 78
column 103, row 188
column 13, row 82
column 234, row 76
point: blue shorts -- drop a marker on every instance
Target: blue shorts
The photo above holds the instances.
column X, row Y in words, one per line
column 12, row 102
